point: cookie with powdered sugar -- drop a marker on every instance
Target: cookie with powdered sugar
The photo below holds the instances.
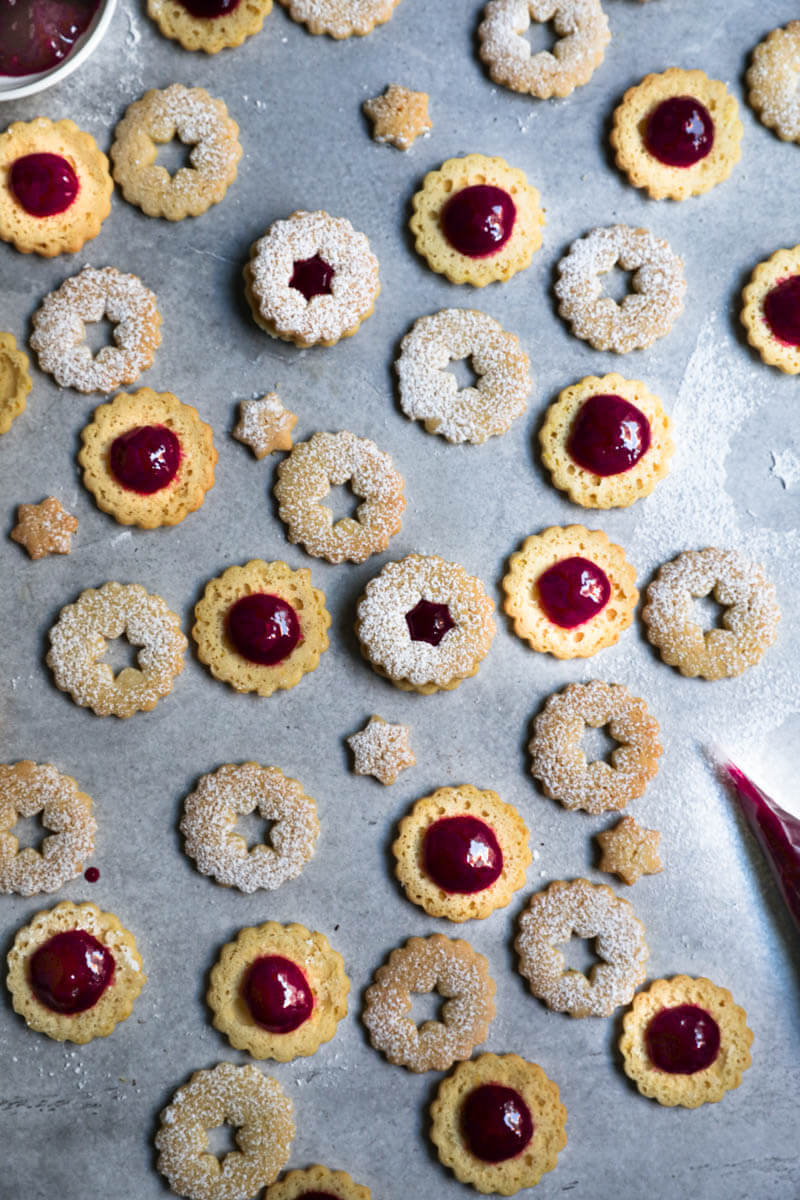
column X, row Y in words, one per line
column 208, row 25
column 29, row 789
column 773, row 81
column 582, row 35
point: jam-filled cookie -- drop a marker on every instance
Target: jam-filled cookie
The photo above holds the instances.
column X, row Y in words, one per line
column 317, row 1181
column 340, row 18
column 147, row 459
column 209, row 25
column 606, row 441
column 570, row 591
column 29, row 789
column 461, row 853
column 476, row 220
column 771, row 312
column 582, row 33
column 278, row 991
column 677, row 134
column 15, row 381
column 424, row 623
column 685, row 1042
column 74, row 973
column 55, row 187
column 498, row 1123
column 773, row 81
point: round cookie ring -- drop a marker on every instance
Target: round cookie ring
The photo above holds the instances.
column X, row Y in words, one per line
column 15, row 381
column 340, row 18
column 773, row 81
column 559, row 763
column 646, row 314
column 382, row 627
column 506, row 824
column 605, row 491
column 282, row 310
column 215, row 649
column 659, row 179
column 64, row 232
column 430, row 393
column 329, row 460
column 749, row 624
column 209, row 820
column 541, row 551
column 438, row 187
column 700, row 1087
column 583, row 35
column 59, row 330
column 210, row 34
column 781, row 266
column 437, row 963
column 585, row 910
column 113, row 1005
column 78, row 641
column 199, row 121
column 323, row 968
column 317, row 1181
column 27, row 789
column 184, row 494
column 541, row 1097
column 242, row 1097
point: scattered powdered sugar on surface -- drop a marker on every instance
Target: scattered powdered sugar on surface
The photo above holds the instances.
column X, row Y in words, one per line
column 786, row 467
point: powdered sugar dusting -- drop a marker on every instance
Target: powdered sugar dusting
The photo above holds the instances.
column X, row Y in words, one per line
column 583, row 32
column 26, row 790
column 786, row 467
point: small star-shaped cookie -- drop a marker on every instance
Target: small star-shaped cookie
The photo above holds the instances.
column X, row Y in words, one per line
column 399, row 116
column 382, row 750
column 265, row 425
column 44, row 528
column 630, row 851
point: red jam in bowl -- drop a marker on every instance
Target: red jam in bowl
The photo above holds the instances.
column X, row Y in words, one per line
column 36, row 35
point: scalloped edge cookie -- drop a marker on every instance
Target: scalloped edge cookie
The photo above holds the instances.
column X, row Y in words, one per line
column 15, row 381
column 315, row 1180
column 779, row 266
column 27, row 789
column 773, row 79
column 583, row 34
column 208, row 34
column 340, row 18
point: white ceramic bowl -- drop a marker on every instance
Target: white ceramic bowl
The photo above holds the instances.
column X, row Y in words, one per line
column 13, row 87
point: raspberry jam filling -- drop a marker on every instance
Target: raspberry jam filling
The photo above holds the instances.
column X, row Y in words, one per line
column 264, row 629
column 608, row 436
column 573, row 591
column 317, row 1196
column 496, row 1123
column 682, row 1040
column 277, row 994
column 208, row 9
column 461, row 854
column 44, row 184
column 478, row 221
column 145, row 459
column 36, row 35
column 429, row 622
column 312, row 277
column 782, row 310
column 680, row 131
column 70, row 971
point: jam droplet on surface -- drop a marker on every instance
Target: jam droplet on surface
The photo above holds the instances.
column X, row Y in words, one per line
column 478, row 221
column 461, row 854
column 312, row 277
column 145, row 459
column 429, row 622
column 36, row 35
column 91, row 874
column 573, row 591
column 682, row 1040
column 70, row 971
column 277, row 994
column 209, row 9
column 496, row 1123
column 44, row 184
column 680, row 131
column 264, row 629
column 609, row 435
column 782, row 310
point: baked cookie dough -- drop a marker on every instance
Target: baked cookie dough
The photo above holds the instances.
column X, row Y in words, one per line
column 278, row 991
column 476, row 220
column 629, row 851
column 773, row 81
column 583, row 34
column 45, row 528
column 399, row 116
column 74, row 973
column 209, row 25
column 461, row 853
column 261, row 627
column 317, row 1181
column 55, row 188
column 381, row 750
column 28, row 789
column 15, row 381
column 771, row 311
column 340, row 18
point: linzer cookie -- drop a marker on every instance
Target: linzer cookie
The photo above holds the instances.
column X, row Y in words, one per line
column 55, row 188
column 147, row 459
column 317, row 1181
column 15, row 381
column 677, row 134
column 208, row 25
column 199, row 121
column 311, row 279
column 59, row 330
column 606, row 441
column 461, row 853
column 424, row 623
column 570, row 591
column 74, row 973
column 29, row 789
column 773, row 81
column 476, row 220
column 45, row 528
column 582, row 33
column 771, row 312
column 261, row 627
column 340, row 18
column 278, row 991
